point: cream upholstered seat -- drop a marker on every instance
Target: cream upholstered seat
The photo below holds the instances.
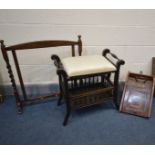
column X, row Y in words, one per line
column 83, row 65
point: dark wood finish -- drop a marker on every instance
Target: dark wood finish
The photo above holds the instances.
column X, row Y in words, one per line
column 116, row 77
column 153, row 66
column 153, row 70
column 138, row 94
column 80, row 45
column 87, row 90
column 41, row 44
column 40, row 98
column 32, row 45
column 1, row 98
column 11, row 75
column 19, row 74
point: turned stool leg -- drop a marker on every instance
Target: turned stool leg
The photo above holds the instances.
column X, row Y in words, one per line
column 1, row 98
column 61, row 93
column 66, row 118
column 59, row 100
column 116, row 89
column 67, row 115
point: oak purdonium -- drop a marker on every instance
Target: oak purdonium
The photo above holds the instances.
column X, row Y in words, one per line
column 138, row 94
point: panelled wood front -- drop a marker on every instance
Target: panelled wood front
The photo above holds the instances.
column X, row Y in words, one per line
column 138, row 94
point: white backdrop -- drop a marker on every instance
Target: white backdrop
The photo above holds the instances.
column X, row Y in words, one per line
column 130, row 34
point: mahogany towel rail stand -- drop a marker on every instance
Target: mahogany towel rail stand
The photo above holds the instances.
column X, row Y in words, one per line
column 32, row 45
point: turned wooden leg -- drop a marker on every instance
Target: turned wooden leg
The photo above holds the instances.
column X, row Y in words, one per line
column 59, row 100
column 61, row 92
column 1, row 98
column 66, row 117
column 20, row 108
column 116, row 98
column 116, row 89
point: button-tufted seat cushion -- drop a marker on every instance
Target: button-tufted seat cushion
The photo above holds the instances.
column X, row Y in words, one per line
column 83, row 65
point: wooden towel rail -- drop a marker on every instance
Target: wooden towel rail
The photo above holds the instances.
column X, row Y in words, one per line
column 24, row 99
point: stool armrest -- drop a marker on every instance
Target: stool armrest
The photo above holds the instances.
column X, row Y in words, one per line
column 56, row 60
column 105, row 52
column 58, row 64
column 119, row 61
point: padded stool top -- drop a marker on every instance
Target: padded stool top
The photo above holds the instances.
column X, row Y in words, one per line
column 83, row 65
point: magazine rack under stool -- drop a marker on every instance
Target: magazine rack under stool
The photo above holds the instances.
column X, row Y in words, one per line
column 86, row 80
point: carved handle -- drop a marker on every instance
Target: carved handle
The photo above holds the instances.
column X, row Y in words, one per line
column 119, row 61
column 56, row 60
